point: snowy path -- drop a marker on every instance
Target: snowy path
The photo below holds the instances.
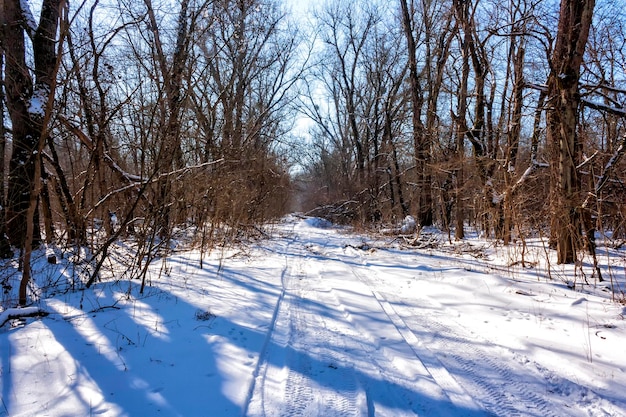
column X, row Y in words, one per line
column 348, row 348
column 315, row 322
column 329, row 364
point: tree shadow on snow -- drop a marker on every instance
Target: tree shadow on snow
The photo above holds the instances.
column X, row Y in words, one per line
column 132, row 355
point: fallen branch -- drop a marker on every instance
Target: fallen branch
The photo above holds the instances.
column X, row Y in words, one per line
column 603, row 107
column 100, row 309
column 16, row 313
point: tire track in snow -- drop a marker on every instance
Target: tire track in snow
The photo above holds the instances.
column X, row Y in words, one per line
column 480, row 369
column 299, row 394
column 476, row 369
column 409, row 388
column 462, row 353
column 423, row 365
column 296, row 381
column 318, row 367
column 260, row 369
column 310, row 391
column 353, row 344
column 457, row 395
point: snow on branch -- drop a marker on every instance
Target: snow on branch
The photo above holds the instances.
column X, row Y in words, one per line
column 532, row 168
column 615, row 110
column 153, row 180
column 587, row 160
column 608, row 168
column 538, row 87
column 88, row 142
column 529, row 171
column 604, row 87
column 132, row 179
column 603, row 107
column 29, row 19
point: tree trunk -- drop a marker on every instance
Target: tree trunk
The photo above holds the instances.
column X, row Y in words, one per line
column 26, row 102
column 462, row 130
column 46, row 205
column 513, row 139
column 435, row 67
column 170, row 155
column 562, row 122
column 29, row 107
column 420, row 140
column 19, row 91
column 5, row 246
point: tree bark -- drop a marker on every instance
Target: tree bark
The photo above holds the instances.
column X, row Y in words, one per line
column 5, row 246
column 461, row 129
column 27, row 102
column 29, row 107
column 562, row 122
column 513, row 138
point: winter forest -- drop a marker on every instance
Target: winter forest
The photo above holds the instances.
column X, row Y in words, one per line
column 329, row 208
column 134, row 119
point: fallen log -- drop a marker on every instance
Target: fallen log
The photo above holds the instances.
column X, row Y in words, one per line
column 16, row 313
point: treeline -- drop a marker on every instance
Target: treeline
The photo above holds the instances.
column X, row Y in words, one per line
column 141, row 118
column 504, row 115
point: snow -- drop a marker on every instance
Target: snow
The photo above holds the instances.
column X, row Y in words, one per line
column 38, row 101
column 314, row 322
column 10, row 313
column 409, row 225
column 29, row 19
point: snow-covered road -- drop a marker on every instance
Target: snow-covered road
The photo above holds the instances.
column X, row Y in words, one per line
column 350, row 344
column 344, row 351
column 321, row 322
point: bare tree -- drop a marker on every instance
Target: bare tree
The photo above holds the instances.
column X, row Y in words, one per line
column 562, row 120
column 421, row 144
column 335, row 97
column 29, row 101
column 241, row 89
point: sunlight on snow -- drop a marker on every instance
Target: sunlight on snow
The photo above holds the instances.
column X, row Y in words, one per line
column 144, row 316
column 152, row 395
column 55, row 378
column 231, row 367
column 84, row 326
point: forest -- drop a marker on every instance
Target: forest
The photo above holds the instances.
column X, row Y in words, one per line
column 141, row 121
